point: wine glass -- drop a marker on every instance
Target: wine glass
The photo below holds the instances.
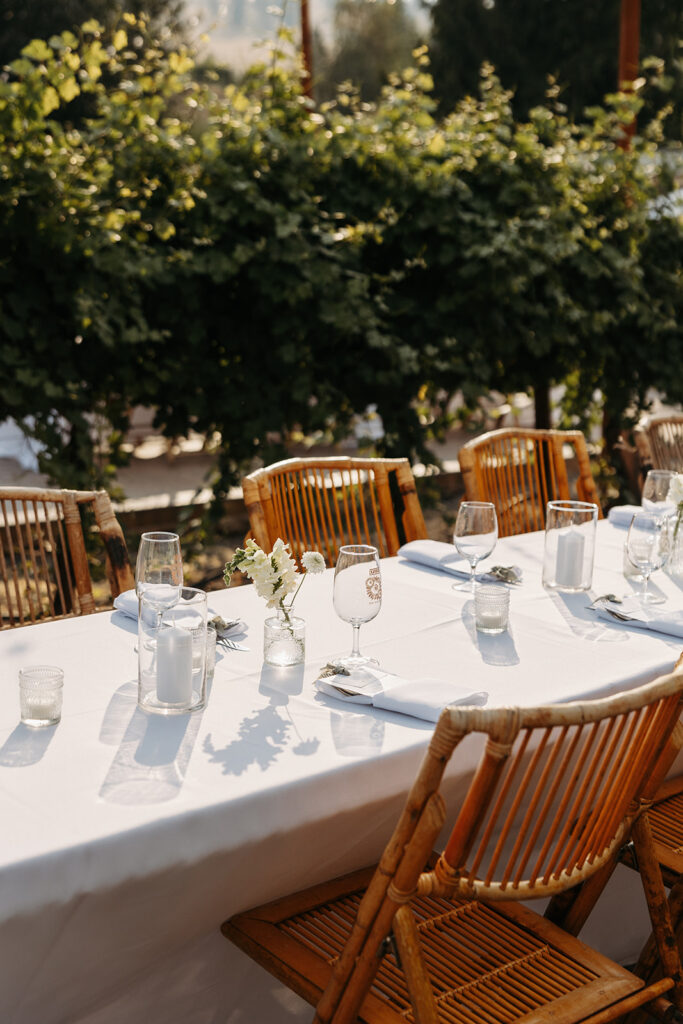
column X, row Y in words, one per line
column 655, row 497
column 475, row 536
column 159, row 572
column 357, row 594
column 646, row 550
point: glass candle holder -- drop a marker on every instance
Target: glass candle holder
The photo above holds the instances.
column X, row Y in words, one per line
column 569, row 545
column 40, row 695
column 284, row 640
column 172, row 655
column 491, row 608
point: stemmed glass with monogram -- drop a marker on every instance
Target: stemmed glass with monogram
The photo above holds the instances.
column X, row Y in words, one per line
column 357, row 595
column 159, row 572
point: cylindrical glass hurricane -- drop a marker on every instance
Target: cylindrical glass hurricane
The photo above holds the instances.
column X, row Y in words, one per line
column 172, row 655
column 284, row 639
column 674, row 563
column 569, row 545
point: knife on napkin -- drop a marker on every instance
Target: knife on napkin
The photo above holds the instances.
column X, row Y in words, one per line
column 421, row 698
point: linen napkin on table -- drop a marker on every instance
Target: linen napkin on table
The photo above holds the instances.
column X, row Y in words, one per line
column 421, row 698
column 656, row 619
column 438, row 555
column 621, row 515
column 127, row 604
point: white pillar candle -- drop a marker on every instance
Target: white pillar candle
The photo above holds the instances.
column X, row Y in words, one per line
column 569, row 563
column 174, row 666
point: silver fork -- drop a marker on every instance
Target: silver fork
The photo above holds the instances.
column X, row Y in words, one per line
column 231, row 644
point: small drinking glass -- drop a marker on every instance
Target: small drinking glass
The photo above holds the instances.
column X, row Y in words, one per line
column 647, row 550
column 491, row 608
column 40, row 695
column 357, row 595
column 159, row 571
column 475, row 536
column 655, row 497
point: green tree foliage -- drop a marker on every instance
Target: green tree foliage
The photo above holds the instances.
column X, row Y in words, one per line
column 24, row 20
column 372, row 38
column 527, row 40
column 252, row 268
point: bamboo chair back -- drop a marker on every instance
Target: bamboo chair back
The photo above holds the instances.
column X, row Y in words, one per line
column 520, row 471
column 44, row 572
column 323, row 503
column 553, row 796
column 659, row 441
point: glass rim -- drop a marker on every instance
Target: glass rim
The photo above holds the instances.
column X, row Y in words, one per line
column 568, row 505
column 476, row 504
column 359, row 549
column 53, row 675
column 159, row 536
column 492, row 590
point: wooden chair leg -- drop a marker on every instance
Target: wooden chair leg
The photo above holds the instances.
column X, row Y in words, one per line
column 655, row 893
column 648, row 961
column 571, row 909
column 410, row 955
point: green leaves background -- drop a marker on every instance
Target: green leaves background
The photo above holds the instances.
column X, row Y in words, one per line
column 257, row 269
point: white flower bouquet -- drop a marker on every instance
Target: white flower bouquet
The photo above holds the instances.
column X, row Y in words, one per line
column 274, row 575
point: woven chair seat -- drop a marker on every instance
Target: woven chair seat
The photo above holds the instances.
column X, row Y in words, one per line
column 485, row 963
column 445, row 938
column 666, row 819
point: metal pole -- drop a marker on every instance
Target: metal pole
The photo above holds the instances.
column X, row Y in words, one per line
column 306, row 50
column 629, row 48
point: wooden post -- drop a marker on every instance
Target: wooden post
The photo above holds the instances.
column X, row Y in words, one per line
column 629, row 48
column 306, row 51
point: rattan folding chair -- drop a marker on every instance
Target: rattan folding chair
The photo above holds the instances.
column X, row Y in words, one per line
column 659, row 441
column 44, row 572
column 322, row 503
column 445, row 939
column 521, row 470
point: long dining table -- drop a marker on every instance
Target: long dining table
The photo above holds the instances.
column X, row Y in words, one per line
column 129, row 837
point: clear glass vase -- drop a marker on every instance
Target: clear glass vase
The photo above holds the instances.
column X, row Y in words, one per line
column 284, row 639
column 674, row 563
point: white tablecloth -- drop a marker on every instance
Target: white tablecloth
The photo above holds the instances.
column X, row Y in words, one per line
column 128, row 837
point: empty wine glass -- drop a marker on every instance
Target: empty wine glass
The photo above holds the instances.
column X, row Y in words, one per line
column 646, row 549
column 357, row 594
column 475, row 536
column 159, row 571
column 655, row 497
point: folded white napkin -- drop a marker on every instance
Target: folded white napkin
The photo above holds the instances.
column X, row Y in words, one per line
column 640, row 616
column 127, row 604
column 421, row 698
column 438, row 555
column 621, row 515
